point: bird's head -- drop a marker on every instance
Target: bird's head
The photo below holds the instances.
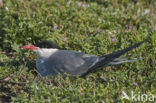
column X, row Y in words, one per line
column 43, row 48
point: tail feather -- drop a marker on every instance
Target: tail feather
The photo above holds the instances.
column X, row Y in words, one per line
column 107, row 59
column 124, row 61
column 122, row 58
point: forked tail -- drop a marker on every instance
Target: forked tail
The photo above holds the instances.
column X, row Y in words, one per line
column 111, row 59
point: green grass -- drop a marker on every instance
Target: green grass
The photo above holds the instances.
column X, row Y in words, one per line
column 83, row 25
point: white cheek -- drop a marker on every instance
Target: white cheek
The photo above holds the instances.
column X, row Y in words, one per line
column 45, row 53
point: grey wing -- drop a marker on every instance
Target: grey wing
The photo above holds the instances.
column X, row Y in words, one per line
column 71, row 62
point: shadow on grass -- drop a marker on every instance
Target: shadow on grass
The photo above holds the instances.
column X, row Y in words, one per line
column 17, row 63
column 6, row 89
column 7, row 94
column 5, row 99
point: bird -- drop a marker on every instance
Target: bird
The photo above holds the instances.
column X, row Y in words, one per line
column 51, row 60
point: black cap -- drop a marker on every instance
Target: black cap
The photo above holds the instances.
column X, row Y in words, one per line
column 47, row 44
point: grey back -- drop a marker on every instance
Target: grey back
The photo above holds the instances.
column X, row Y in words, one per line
column 62, row 61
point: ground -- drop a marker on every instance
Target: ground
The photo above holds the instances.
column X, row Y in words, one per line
column 95, row 27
